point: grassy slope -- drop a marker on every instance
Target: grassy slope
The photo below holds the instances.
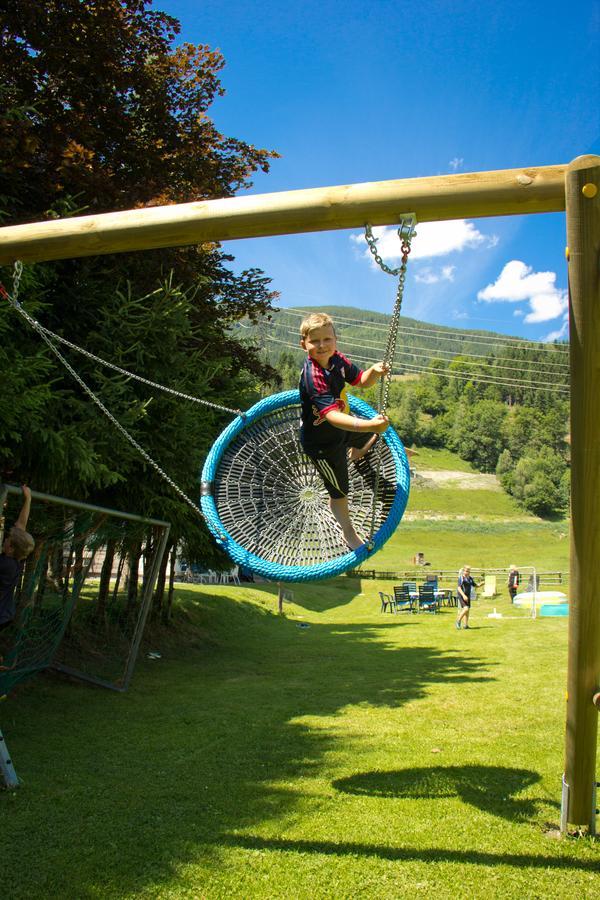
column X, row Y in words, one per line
column 483, row 528
column 362, row 756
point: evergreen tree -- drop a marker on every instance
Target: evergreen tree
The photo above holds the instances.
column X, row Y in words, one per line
column 100, row 110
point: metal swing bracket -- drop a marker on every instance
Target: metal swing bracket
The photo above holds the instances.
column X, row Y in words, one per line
column 564, row 808
column 408, row 223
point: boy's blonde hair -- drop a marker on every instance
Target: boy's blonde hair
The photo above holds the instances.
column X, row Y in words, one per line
column 315, row 320
column 22, row 542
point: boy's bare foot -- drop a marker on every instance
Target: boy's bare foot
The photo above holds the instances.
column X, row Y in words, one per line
column 358, row 452
column 353, row 540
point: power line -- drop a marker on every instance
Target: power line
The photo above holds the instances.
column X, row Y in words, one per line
column 434, row 354
column 470, row 376
column 463, row 336
column 528, row 385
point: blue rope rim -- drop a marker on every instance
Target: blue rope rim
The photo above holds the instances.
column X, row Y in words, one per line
column 316, row 571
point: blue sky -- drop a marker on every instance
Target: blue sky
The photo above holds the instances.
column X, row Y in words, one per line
column 351, row 92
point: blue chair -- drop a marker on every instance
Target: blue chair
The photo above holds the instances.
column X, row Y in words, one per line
column 404, row 602
column 427, row 599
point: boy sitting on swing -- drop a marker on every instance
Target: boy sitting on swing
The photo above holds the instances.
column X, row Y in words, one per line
column 329, row 434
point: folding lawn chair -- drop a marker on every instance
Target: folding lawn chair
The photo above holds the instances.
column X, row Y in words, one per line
column 387, row 601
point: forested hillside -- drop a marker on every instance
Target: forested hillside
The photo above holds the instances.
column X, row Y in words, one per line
column 499, row 402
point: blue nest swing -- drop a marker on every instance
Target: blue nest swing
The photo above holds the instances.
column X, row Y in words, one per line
column 265, row 503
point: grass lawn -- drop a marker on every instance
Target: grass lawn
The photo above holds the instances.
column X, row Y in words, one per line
column 428, row 458
column 332, row 752
column 451, row 544
column 468, row 504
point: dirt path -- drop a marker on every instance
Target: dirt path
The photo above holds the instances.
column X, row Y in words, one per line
column 466, row 480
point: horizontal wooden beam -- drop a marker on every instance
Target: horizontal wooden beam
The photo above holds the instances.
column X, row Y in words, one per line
column 506, row 192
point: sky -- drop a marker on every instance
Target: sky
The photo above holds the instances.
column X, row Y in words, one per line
column 349, row 92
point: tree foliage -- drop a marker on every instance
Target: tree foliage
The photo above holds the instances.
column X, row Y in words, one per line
column 101, row 110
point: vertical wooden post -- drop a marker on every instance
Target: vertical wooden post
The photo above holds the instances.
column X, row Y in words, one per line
column 583, row 253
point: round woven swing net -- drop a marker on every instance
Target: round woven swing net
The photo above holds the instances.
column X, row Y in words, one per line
column 264, row 500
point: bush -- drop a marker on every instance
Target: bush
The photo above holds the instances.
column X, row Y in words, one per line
column 540, row 483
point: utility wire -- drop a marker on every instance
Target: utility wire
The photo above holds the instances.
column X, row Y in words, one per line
column 463, row 336
column 483, row 379
column 435, row 354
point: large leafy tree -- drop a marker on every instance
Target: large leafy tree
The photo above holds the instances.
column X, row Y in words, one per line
column 101, row 110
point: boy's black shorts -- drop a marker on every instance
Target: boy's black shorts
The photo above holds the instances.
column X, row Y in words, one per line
column 332, row 462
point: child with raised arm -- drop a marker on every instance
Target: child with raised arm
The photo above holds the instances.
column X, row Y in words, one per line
column 16, row 547
column 330, row 435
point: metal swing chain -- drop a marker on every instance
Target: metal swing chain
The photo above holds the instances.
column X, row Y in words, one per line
column 103, row 362
column 406, row 232
column 44, row 334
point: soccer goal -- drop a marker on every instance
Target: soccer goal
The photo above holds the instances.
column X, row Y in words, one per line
column 85, row 593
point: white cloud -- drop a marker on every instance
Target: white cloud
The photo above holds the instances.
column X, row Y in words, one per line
column 432, row 239
column 560, row 333
column 518, row 312
column 430, row 276
column 456, row 163
column 518, row 282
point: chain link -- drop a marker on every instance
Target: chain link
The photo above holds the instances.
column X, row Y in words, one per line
column 406, row 232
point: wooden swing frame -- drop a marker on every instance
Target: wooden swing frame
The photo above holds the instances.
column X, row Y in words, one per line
column 574, row 188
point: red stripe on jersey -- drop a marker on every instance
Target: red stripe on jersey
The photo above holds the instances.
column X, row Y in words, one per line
column 322, row 412
column 350, row 363
column 318, row 377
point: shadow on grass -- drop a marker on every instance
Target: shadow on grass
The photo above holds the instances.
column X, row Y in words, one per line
column 206, row 742
column 489, row 788
column 320, row 596
column 413, row 854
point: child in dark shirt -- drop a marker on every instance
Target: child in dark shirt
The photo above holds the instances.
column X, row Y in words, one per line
column 330, row 435
column 16, row 547
column 465, row 593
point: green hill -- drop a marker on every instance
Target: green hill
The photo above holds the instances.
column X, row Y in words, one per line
column 363, row 334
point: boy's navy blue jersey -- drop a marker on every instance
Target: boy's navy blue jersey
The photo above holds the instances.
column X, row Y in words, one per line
column 322, row 390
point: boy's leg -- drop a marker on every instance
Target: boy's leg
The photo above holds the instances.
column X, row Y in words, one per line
column 359, row 445
column 333, row 468
column 339, row 508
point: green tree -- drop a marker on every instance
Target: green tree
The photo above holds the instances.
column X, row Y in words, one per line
column 114, row 115
column 539, row 483
column 505, row 469
column 288, row 370
column 478, row 433
column 405, row 417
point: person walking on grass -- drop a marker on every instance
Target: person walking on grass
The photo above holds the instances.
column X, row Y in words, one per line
column 512, row 584
column 466, row 590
